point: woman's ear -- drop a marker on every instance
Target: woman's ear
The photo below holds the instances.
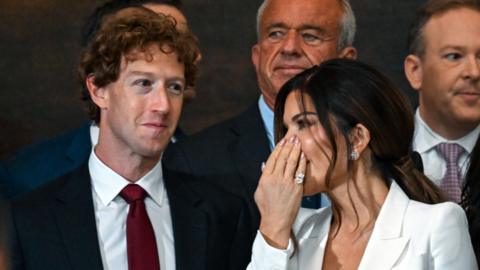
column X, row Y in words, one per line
column 359, row 138
column 97, row 94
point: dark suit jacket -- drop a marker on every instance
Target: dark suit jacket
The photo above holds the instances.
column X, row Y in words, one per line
column 236, row 147
column 54, row 227
column 40, row 163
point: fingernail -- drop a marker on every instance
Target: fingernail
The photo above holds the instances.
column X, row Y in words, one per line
column 302, row 156
column 292, row 139
column 297, row 140
column 263, row 166
column 281, row 142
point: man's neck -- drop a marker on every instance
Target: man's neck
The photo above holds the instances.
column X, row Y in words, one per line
column 130, row 166
column 450, row 130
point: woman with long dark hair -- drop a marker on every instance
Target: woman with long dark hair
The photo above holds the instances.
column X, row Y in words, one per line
column 346, row 131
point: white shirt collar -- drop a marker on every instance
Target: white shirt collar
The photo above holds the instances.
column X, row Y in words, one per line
column 107, row 184
column 267, row 117
column 425, row 138
column 94, row 132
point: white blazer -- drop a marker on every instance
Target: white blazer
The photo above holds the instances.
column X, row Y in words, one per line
column 407, row 235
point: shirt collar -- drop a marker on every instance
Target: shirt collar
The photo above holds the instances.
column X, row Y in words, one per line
column 425, row 138
column 94, row 132
column 267, row 117
column 107, row 184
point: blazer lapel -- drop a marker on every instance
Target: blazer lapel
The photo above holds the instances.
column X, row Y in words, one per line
column 251, row 148
column 75, row 217
column 190, row 227
column 386, row 238
column 312, row 236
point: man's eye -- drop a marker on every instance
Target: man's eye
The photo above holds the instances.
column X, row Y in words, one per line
column 175, row 88
column 143, row 83
column 309, row 38
column 452, row 56
column 275, row 35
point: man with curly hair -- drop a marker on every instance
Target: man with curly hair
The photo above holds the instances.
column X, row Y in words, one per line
column 121, row 210
column 40, row 163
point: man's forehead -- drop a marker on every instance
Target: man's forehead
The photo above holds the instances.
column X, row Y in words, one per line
column 451, row 26
column 299, row 13
column 139, row 57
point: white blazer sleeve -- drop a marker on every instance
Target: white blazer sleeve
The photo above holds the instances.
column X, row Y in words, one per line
column 266, row 257
column 450, row 241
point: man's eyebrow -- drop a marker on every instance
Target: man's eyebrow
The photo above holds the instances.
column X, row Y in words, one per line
column 313, row 27
column 138, row 72
column 452, row 47
column 302, row 27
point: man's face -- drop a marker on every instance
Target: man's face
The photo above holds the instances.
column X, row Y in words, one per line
column 449, row 85
column 293, row 36
column 140, row 110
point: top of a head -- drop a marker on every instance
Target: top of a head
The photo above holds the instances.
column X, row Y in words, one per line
column 431, row 8
column 348, row 25
column 93, row 22
column 136, row 28
column 350, row 92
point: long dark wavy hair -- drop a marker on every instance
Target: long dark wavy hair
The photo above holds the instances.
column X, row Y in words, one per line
column 346, row 93
column 471, row 198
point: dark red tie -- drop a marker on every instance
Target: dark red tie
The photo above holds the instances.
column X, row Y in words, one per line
column 141, row 245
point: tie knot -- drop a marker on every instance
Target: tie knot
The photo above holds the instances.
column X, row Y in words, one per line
column 133, row 192
column 450, row 151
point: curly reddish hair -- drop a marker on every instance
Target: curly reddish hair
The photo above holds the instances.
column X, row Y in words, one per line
column 126, row 32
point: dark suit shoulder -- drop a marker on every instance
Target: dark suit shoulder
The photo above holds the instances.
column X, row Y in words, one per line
column 250, row 118
column 196, row 188
column 42, row 162
column 47, row 149
column 209, row 150
column 41, row 196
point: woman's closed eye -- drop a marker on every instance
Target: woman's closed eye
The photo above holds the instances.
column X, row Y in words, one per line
column 304, row 122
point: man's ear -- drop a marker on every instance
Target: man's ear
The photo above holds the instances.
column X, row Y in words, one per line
column 255, row 55
column 413, row 71
column 99, row 95
column 359, row 137
column 348, row 52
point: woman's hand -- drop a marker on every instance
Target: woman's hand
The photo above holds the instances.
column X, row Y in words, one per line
column 279, row 192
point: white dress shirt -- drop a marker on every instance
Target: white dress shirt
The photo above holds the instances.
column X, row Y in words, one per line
column 434, row 165
column 407, row 235
column 111, row 214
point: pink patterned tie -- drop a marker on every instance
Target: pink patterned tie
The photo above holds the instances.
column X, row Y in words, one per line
column 141, row 244
column 452, row 181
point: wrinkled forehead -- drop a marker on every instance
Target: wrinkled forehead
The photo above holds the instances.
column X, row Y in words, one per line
column 299, row 13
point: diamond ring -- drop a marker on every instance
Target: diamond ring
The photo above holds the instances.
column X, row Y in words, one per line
column 299, row 177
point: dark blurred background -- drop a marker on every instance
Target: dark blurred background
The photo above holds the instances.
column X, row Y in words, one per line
column 39, row 50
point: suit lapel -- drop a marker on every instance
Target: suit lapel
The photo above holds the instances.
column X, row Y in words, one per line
column 189, row 222
column 251, row 148
column 75, row 218
column 386, row 238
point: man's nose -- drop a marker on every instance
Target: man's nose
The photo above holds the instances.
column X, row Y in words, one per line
column 160, row 100
column 472, row 68
column 292, row 43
